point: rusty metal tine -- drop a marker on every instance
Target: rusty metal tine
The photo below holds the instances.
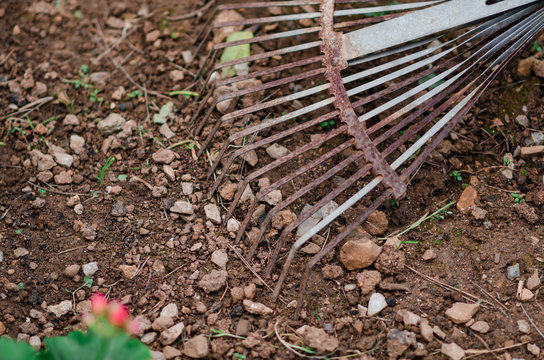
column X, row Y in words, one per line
column 214, row 165
column 269, row 85
column 317, row 257
column 274, row 36
column 304, row 190
column 306, row 215
column 278, row 162
column 269, row 19
column 276, row 185
column 272, row 70
column 268, row 54
column 266, row 4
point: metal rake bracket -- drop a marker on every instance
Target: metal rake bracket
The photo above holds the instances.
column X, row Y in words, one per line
column 394, row 80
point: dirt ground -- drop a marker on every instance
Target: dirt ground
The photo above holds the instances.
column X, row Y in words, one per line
column 61, row 227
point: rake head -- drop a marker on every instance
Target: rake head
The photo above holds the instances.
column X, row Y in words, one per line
column 389, row 82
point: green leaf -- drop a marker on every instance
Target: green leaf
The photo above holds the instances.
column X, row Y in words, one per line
column 100, row 343
column 235, row 52
column 161, row 117
column 88, row 281
column 19, row 231
column 122, row 177
column 11, row 349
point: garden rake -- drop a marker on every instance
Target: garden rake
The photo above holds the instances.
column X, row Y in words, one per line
column 389, row 81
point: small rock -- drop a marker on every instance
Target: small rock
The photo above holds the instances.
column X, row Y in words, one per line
column 118, row 209
column 20, row 252
column 171, row 334
column 152, row 36
column 533, row 349
column 187, row 188
column 176, row 75
column 426, row 331
column 358, row 254
column 233, row 225
column 213, row 281
column 526, row 295
column 273, row 198
column 367, row 280
column 409, row 318
column 460, row 312
column 99, row 78
column 376, row 223
column 228, row 191
column 276, row 151
column 478, row 213
column 88, row 232
column 170, row 310
column 256, row 308
column 524, row 326
column 243, row 327
column 212, row 213
column 61, row 308
column 77, row 144
column 158, row 267
column 71, row 270
column 183, row 208
column 237, row 294
column 512, row 272
column 169, row 172
column 398, row 341
column 249, row 291
column 438, row 332
column 251, row 157
column 35, row 342
column 170, row 352
column 429, row 255
column 480, row 326
column 157, row 355
column 523, row 120
column 197, row 347
column 71, row 119
column 159, row 191
column 112, row 124
column 318, row 339
column 45, row 163
column 63, row 159
column 332, row 271
column 533, row 281
column 162, row 323
column 376, row 304
column 164, row 156
column 467, row 200
column 148, row 338
column 220, row 258
column 90, row 269
column 311, row 249
column 282, row 219
column 229, row 104
column 453, row 351
column 128, row 270
column 165, row 131
column 63, row 178
column 45, row 176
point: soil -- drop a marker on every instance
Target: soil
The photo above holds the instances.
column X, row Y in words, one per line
column 150, row 257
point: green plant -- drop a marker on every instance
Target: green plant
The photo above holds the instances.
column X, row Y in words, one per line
column 536, row 47
column 327, row 125
column 163, row 114
column 106, row 338
column 133, row 94
column 185, row 93
column 42, row 192
column 65, row 100
column 87, row 281
column 94, row 96
column 235, row 52
column 19, row 231
column 214, row 333
column 517, row 198
column 239, row 356
column 456, row 175
column 102, row 173
column 505, row 161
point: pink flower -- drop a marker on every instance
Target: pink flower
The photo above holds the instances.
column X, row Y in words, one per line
column 133, row 327
column 99, row 303
column 117, row 314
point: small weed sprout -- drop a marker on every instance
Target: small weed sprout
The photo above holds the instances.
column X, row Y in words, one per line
column 102, row 173
column 517, row 198
column 88, row 282
column 456, row 175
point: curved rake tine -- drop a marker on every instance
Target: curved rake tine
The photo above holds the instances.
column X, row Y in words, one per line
column 276, row 185
column 263, row 170
column 325, row 250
